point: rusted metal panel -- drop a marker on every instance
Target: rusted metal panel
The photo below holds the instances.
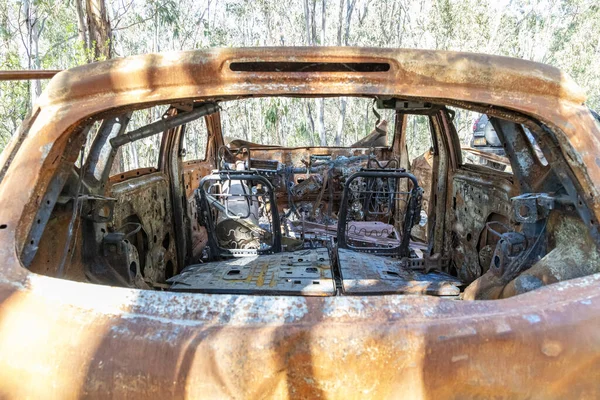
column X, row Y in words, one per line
column 63, row 339
column 119, row 342
column 480, row 74
column 131, row 174
column 193, row 171
column 574, row 255
column 303, row 272
column 16, row 75
column 371, row 274
column 473, row 201
column 51, row 247
column 145, row 199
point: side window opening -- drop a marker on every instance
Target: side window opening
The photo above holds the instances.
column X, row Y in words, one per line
column 420, row 154
column 93, row 131
column 480, row 144
column 418, row 136
column 142, row 153
column 194, row 140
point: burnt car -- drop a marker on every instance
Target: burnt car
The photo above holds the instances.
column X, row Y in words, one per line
column 256, row 270
column 485, row 145
column 485, row 137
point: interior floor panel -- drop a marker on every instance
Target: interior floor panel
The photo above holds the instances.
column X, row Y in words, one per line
column 364, row 273
column 303, row 272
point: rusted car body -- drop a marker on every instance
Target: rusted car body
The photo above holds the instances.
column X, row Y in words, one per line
column 64, row 338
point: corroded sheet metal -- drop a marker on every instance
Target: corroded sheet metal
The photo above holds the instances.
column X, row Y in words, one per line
column 17, row 75
column 63, row 339
column 145, row 199
column 118, row 342
column 371, row 274
column 303, row 272
column 574, row 254
column 473, row 201
column 476, row 71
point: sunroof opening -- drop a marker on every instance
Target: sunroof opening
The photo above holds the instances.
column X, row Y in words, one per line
column 276, row 66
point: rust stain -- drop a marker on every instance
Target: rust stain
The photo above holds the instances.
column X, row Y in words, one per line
column 261, row 277
column 65, row 339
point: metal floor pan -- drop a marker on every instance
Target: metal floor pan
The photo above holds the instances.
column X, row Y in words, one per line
column 372, row 274
column 303, row 272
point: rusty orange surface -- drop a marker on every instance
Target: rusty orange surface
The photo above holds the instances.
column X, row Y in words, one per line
column 16, row 75
column 64, row 339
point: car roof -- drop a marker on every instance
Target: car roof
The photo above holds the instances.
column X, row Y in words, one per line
column 423, row 73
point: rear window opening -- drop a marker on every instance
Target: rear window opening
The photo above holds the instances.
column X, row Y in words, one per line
column 312, row 197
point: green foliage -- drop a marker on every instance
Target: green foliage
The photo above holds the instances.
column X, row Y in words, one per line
column 443, row 23
column 272, row 115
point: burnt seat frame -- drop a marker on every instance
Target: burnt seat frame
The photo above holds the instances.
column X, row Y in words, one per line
column 206, row 217
column 412, row 211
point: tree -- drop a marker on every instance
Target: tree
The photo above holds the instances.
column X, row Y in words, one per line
column 99, row 31
column 33, row 26
column 95, row 31
column 311, row 37
column 343, row 22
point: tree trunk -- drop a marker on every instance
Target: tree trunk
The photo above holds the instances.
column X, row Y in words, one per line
column 134, row 156
column 261, row 125
column 321, row 101
column 312, row 20
column 81, row 26
column 99, row 45
column 340, row 124
column 311, row 122
column 340, row 23
column 349, row 10
column 32, row 24
column 307, row 23
column 321, row 121
column 278, row 134
column 343, row 100
column 249, row 136
column 36, row 89
column 156, row 44
column 99, row 31
column 323, row 20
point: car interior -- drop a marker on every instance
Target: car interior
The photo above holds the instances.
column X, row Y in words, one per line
column 220, row 214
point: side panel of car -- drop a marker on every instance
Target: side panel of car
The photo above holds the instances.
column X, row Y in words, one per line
column 144, row 203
